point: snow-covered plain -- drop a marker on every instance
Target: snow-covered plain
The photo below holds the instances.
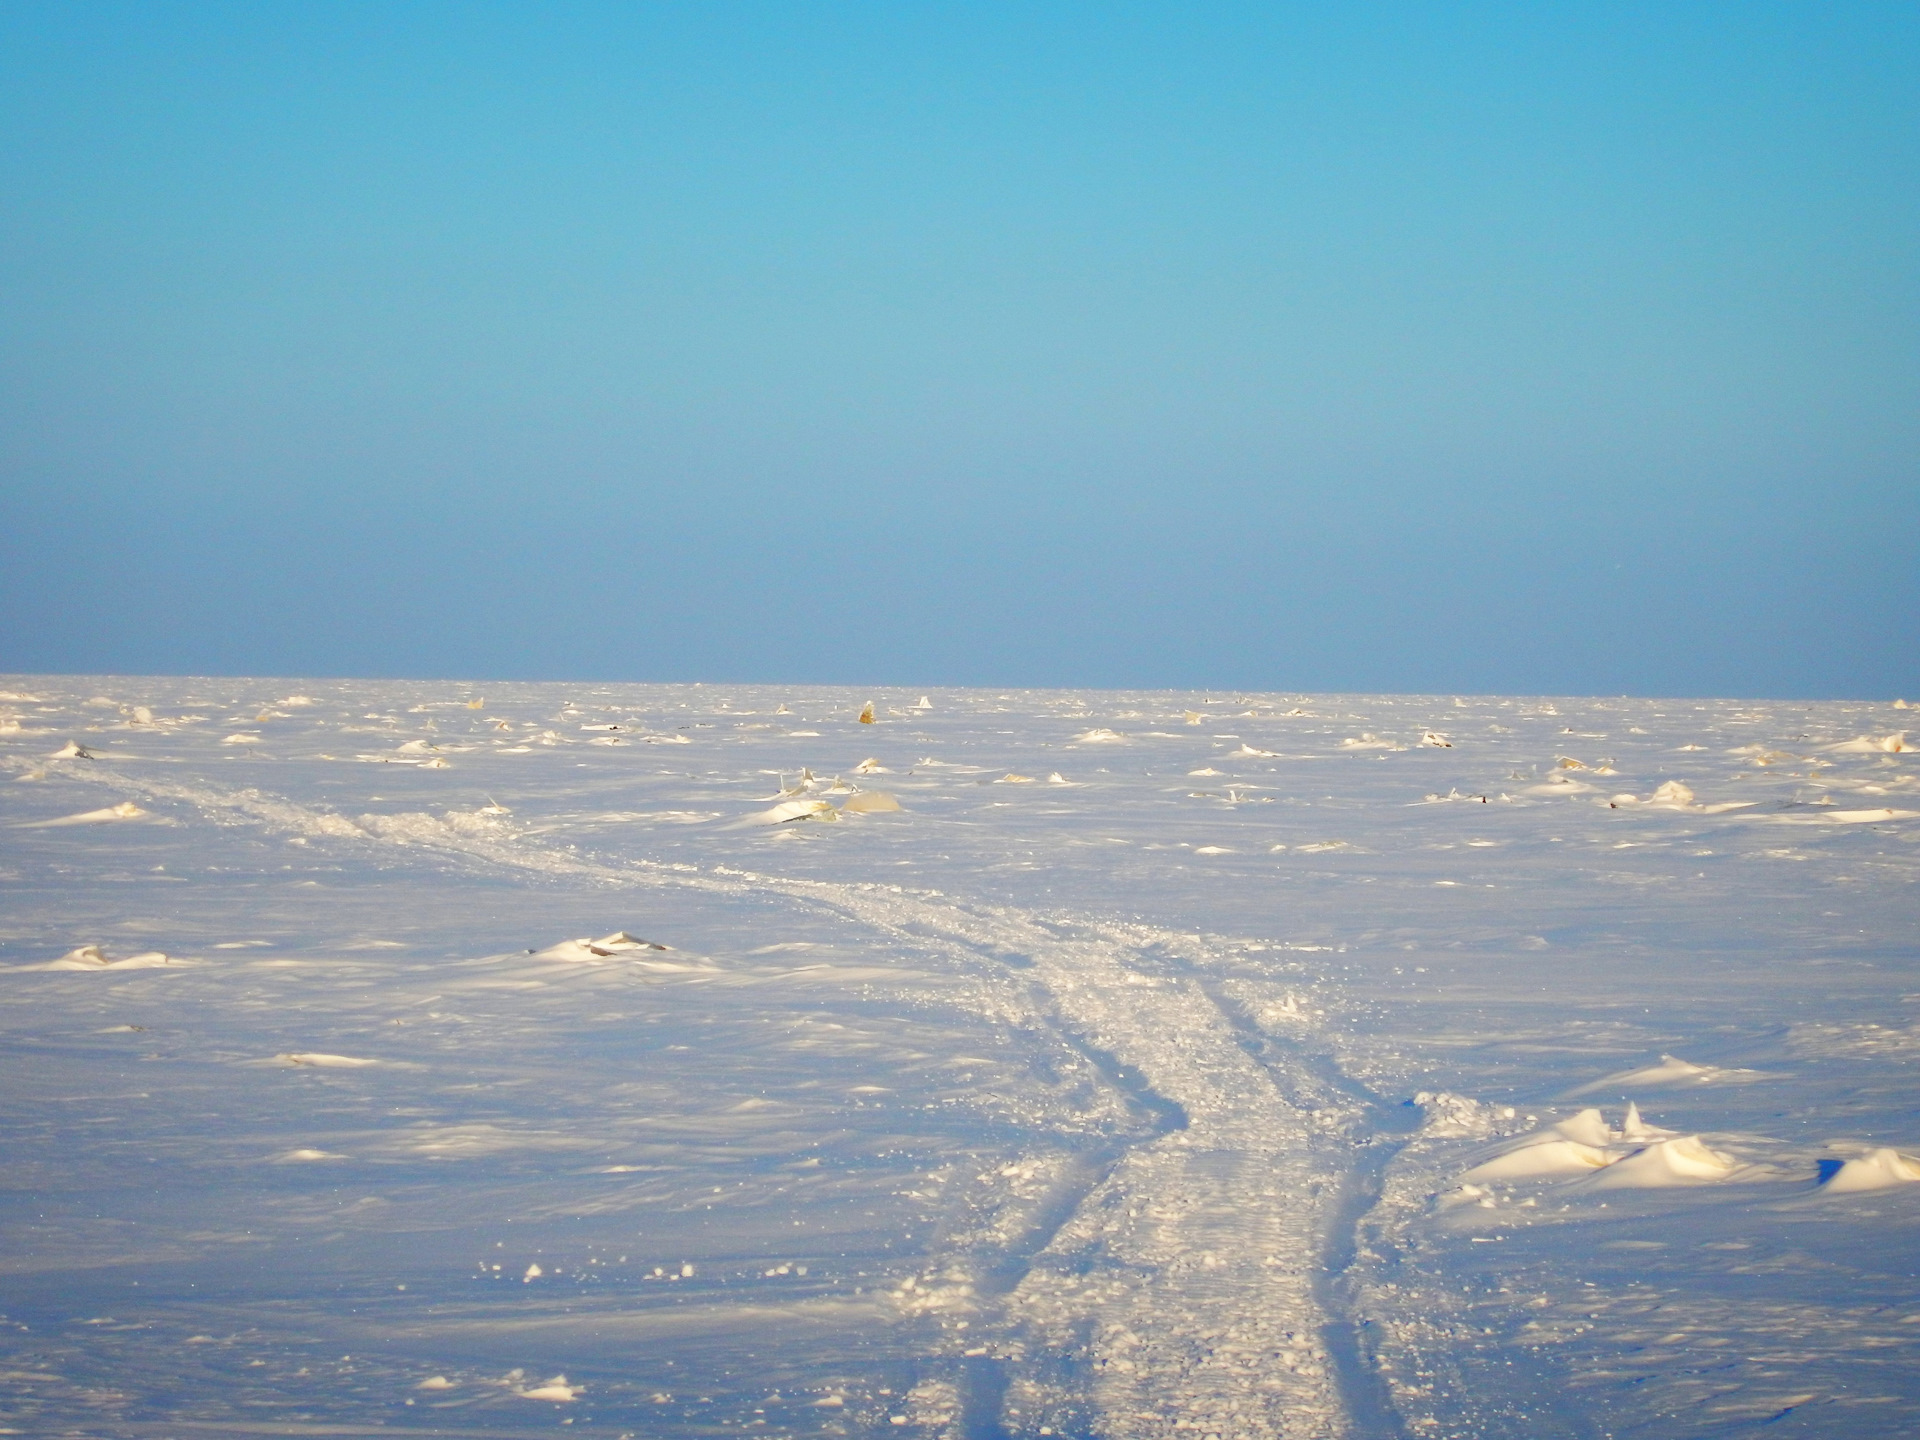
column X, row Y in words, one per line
column 1210, row 1065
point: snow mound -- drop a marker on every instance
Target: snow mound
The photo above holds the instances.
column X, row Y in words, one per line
column 323, row 1061
column 1544, row 1158
column 1367, row 740
column 92, row 957
column 1892, row 744
column 1559, row 784
column 590, row 952
column 1446, row 1116
column 1578, row 1145
column 1882, row 1169
column 1683, row 1160
column 1671, row 1073
column 125, row 810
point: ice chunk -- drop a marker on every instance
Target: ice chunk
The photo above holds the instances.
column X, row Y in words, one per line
column 607, row 947
column 72, row 750
column 326, row 1062
column 92, row 957
column 924, row 704
column 870, row 766
column 1683, row 1160
column 1880, row 1170
column 801, row 786
column 1098, row 736
column 871, row 802
column 555, row 1389
column 791, row 810
column 866, row 713
column 1636, row 1131
column 1434, row 737
column 1672, row 795
column 1367, row 740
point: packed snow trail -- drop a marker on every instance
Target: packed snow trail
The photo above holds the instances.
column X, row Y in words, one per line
column 1185, row 1288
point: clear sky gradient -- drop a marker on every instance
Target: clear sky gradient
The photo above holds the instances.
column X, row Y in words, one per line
column 1527, row 348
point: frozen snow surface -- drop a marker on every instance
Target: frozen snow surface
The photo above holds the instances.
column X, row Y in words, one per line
column 696, row 1060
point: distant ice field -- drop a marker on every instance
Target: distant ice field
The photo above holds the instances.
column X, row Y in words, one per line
column 503, row 1060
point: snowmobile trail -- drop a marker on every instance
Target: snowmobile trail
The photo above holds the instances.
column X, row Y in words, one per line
column 1181, row 1289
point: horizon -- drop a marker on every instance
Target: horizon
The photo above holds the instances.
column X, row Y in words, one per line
column 877, row 688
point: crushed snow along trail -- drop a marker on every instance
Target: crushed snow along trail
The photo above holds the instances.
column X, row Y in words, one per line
column 402, row 1050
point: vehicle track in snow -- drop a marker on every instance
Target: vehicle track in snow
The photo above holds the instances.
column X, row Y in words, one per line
column 1181, row 1288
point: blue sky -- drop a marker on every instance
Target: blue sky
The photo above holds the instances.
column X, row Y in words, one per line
column 1479, row 348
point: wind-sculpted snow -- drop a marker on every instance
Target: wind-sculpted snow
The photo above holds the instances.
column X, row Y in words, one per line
column 673, row 1060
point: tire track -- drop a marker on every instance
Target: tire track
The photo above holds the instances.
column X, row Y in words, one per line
column 1182, row 1289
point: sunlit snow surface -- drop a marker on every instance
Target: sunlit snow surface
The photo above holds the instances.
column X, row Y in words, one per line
column 1125, row 1081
